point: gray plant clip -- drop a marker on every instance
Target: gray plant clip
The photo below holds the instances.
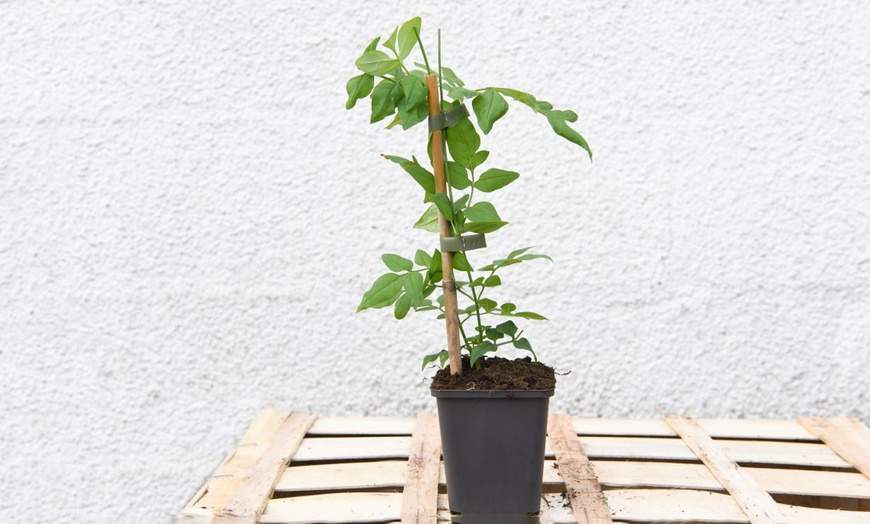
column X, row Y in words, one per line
column 464, row 243
column 447, row 118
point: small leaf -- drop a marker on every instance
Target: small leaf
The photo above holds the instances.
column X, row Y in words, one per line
column 457, row 176
column 523, row 343
column 421, row 175
column 493, row 179
column 414, row 89
column 403, row 305
column 450, row 77
column 435, row 271
column 441, row 356
column 559, row 122
column 493, row 334
column 479, row 158
column 429, row 220
column 422, row 258
column 484, row 227
column 407, row 37
column 493, row 281
column 487, row 304
column 444, row 206
column 460, row 262
column 413, row 283
column 481, row 350
column 397, row 159
column 519, row 96
column 459, row 93
column 409, row 117
column 517, row 252
column 489, row 106
column 390, row 42
column 376, row 63
column 374, row 44
column 530, row 315
column 397, row 263
column 384, row 97
column 508, row 328
column 358, row 87
column 482, row 212
column 383, row 292
column 507, row 308
column 533, row 257
column 463, row 142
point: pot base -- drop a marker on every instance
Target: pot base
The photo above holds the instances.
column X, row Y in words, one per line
column 494, row 518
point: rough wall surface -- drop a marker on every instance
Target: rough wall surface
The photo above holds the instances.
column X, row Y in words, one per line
column 189, row 217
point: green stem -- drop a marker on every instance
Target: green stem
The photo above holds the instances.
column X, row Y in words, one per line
column 423, row 50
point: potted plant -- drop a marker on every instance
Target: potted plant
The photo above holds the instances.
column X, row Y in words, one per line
column 492, row 411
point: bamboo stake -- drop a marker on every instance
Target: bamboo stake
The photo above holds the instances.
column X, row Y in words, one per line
column 449, row 286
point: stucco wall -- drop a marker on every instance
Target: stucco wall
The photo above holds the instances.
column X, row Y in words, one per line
column 189, row 217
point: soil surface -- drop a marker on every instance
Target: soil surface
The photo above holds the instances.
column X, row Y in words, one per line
column 498, row 374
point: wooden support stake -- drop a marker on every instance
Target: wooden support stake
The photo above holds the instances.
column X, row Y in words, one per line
column 449, row 286
column 581, row 484
column 420, row 496
column 847, row 436
column 250, row 500
column 755, row 502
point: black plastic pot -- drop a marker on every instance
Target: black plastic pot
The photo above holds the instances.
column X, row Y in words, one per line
column 493, row 446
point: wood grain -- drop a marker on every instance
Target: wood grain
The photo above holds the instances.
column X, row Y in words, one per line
column 420, row 496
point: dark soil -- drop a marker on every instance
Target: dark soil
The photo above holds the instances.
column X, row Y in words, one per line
column 498, row 374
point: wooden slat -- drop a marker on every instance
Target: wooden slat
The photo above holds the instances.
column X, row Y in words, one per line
column 587, row 501
column 334, row 507
column 343, row 476
column 848, row 437
column 757, row 429
column 420, row 496
column 332, row 426
column 227, row 478
column 756, row 503
column 743, row 451
column 352, row 448
column 254, row 492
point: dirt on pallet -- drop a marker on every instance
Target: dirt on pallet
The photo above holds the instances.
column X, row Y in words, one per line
column 497, row 374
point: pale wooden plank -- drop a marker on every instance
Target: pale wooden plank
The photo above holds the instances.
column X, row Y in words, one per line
column 581, row 484
column 255, row 490
column 743, row 451
column 334, row 508
column 420, row 496
column 352, row 448
column 614, row 474
column 756, row 503
column 227, row 478
column 675, row 505
column 343, row 476
column 847, row 436
column 716, row 428
column 333, row 426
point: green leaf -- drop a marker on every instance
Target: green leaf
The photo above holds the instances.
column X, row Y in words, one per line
column 436, row 270
column 376, row 63
column 493, row 281
column 559, row 122
column 458, row 93
column 487, row 304
column 421, row 175
column 523, row 343
column 508, row 328
column 390, row 42
column 407, row 37
column 493, row 179
column 374, row 45
column 489, row 106
column 413, row 283
column 507, row 308
column 397, row 263
column 463, row 142
column 450, row 77
column 384, row 98
column 414, row 89
column 409, row 117
column 481, row 350
column 482, row 212
column 484, row 227
column 529, row 315
column 460, row 262
column 533, row 257
column 383, row 292
column 519, row 96
column 441, row 356
column 358, row 87
column 493, row 334
column 518, row 252
column 429, row 220
column 396, row 159
column 403, row 305
column 457, row 176
column 444, row 206
column 422, row 258
column 479, row 158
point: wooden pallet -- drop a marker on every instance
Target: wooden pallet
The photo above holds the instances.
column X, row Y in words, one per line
column 296, row 468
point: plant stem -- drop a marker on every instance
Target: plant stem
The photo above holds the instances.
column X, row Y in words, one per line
column 423, row 50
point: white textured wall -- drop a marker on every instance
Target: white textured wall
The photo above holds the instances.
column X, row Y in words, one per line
column 189, row 217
